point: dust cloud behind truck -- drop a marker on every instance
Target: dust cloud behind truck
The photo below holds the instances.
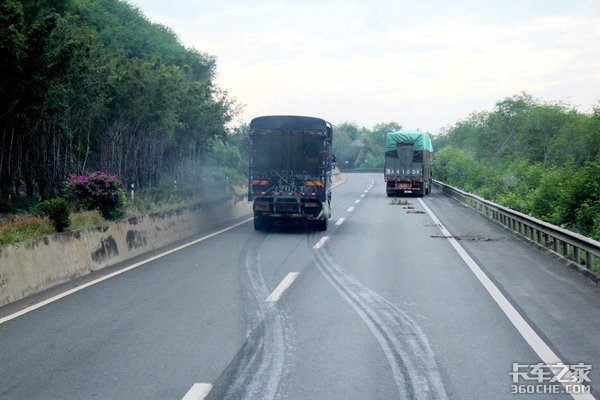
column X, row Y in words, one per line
column 408, row 163
column 290, row 170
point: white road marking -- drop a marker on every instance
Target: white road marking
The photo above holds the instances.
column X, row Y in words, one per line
column 340, row 221
column 198, row 392
column 531, row 337
column 350, row 209
column 357, row 201
column 367, row 191
column 321, row 242
column 283, row 285
column 338, row 183
column 119, row 272
column 362, row 195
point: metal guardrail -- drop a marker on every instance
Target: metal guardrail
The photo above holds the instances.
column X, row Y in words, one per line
column 580, row 250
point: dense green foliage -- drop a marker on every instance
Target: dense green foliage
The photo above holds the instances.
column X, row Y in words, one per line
column 93, row 85
column 57, row 210
column 539, row 158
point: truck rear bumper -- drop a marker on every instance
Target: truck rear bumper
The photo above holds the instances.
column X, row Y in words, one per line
column 402, row 186
column 290, row 208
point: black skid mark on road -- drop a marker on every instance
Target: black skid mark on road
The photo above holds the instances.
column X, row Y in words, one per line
column 470, row 238
column 406, row 347
column 257, row 369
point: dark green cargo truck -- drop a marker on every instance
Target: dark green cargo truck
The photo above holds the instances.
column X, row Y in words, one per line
column 290, row 170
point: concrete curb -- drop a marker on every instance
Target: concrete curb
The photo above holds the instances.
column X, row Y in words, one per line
column 30, row 268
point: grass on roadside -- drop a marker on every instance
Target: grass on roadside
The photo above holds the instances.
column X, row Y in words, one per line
column 29, row 228
column 160, row 199
column 25, row 229
column 85, row 220
column 167, row 198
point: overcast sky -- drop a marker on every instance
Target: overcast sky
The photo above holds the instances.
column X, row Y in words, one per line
column 425, row 64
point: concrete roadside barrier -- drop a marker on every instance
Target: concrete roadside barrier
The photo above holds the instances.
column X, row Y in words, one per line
column 29, row 268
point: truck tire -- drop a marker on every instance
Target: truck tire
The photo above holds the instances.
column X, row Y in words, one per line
column 321, row 224
column 261, row 223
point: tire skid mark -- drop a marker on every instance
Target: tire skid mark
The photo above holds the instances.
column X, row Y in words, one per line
column 260, row 364
column 406, row 347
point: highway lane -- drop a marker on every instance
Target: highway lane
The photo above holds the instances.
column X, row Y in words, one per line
column 384, row 309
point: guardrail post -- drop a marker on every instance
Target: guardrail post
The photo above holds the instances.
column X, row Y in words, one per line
column 589, row 260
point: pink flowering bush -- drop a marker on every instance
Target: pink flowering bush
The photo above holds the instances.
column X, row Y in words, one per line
column 98, row 190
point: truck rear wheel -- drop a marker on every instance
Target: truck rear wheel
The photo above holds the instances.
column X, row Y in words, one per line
column 261, row 223
column 321, row 224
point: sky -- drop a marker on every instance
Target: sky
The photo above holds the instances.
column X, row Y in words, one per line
column 425, row 64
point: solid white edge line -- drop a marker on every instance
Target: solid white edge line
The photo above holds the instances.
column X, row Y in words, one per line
column 338, row 182
column 198, row 391
column 531, row 337
column 116, row 273
column 321, row 242
column 283, row 285
column 340, row 221
column 350, row 209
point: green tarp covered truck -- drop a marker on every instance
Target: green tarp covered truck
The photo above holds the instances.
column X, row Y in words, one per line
column 408, row 162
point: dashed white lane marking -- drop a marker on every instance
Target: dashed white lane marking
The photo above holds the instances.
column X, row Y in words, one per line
column 283, row 285
column 119, row 272
column 367, row 191
column 362, row 195
column 198, row 392
column 350, row 209
column 340, row 221
column 357, row 201
column 531, row 337
column 321, row 242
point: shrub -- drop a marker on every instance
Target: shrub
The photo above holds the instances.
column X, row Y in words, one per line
column 57, row 210
column 98, row 190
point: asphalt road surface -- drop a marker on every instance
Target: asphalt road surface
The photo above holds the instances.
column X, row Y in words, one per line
column 398, row 299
